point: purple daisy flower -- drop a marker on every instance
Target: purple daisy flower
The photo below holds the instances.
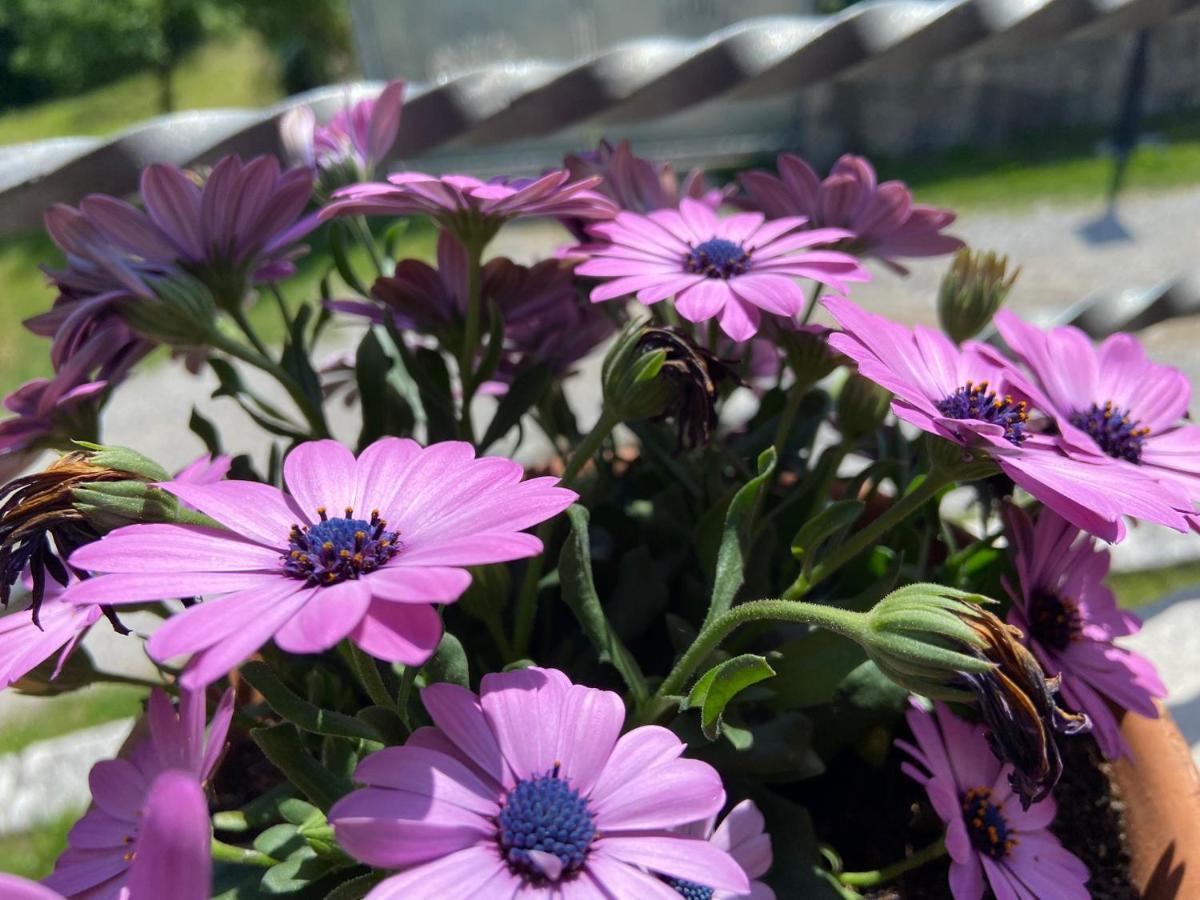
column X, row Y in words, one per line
column 470, row 207
column 117, row 844
column 974, row 397
column 636, row 184
column 1070, row 619
column 1111, row 401
column 988, row 834
column 742, row 834
column 531, row 790
column 353, row 143
column 884, row 221
column 358, row 548
column 732, row 269
column 171, row 858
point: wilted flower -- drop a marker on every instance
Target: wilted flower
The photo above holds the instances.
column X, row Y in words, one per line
column 883, row 219
column 352, row 144
column 1110, row 402
column 731, row 269
column 971, row 292
column 1070, row 618
column 359, row 549
column 939, row 642
column 742, row 834
column 148, row 809
column 695, row 375
column 988, row 835
column 977, row 400
column 538, row 794
column 473, row 209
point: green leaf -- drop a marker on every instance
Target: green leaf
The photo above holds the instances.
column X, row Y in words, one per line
column 206, row 431
column 731, row 555
column 495, row 347
column 341, row 259
column 822, row 527
column 295, row 360
column 281, row 745
column 579, row 593
column 429, row 371
column 384, row 410
column 720, row 684
column 356, row 888
column 526, row 390
column 386, row 721
column 295, row 873
column 299, row 812
column 302, row 713
column 809, row 669
column 448, row 663
column 279, row 841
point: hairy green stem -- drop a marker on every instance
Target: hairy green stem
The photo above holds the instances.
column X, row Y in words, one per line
column 890, row 873
column 244, row 856
column 840, row 621
column 527, row 597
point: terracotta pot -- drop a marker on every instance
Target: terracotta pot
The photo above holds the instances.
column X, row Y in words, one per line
column 1162, row 798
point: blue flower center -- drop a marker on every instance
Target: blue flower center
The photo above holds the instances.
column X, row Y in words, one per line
column 1114, row 429
column 689, row 889
column 1054, row 621
column 717, row 258
column 986, row 825
column 542, row 820
column 338, row 549
column 976, row 401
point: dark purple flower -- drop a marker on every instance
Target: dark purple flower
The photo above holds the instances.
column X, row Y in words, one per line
column 885, row 221
column 1070, row 619
column 990, row 835
column 352, row 144
column 471, row 208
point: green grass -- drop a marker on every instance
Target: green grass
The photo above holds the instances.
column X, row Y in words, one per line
column 1135, row 589
column 32, row 853
column 234, row 71
column 67, row 713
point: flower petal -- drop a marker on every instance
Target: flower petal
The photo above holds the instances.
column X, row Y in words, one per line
column 399, row 632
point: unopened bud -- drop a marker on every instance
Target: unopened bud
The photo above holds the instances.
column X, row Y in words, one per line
column 862, row 405
column 630, row 378
column 183, row 315
column 972, row 291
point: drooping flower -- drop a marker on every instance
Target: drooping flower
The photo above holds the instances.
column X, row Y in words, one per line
column 975, row 398
column 742, row 834
column 1110, row 401
column 531, row 790
column 474, row 209
column 358, row 549
column 171, row 857
column 352, row 144
column 696, row 376
column 148, row 808
column 988, row 833
column 732, row 269
column 239, row 228
column 1070, row 619
column 884, row 221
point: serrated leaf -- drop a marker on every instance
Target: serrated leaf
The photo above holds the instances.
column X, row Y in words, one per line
column 720, row 684
column 579, row 593
column 730, row 571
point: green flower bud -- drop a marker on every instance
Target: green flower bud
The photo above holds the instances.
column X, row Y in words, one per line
column 862, row 405
column 630, row 378
column 184, row 315
column 809, row 354
column 971, row 292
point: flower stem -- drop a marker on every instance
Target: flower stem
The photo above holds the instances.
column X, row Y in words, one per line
column 313, row 413
column 239, row 316
column 363, row 233
column 890, row 873
column 368, row 675
column 527, row 598
column 840, row 621
column 470, row 344
column 870, row 533
column 244, row 856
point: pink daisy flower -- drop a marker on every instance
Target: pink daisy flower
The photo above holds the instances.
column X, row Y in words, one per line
column 883, row 219
column 1070, row 619
column 977, row 399
column 471, row 207
column 988, row 834
column 742, row 834
column 355, row 140
column 357, row 548
column 531, row 790
column 26, row 644
column 142, row 818
column 732, row 269
column 1111, row 401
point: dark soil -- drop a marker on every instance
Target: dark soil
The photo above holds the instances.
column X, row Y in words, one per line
column 875, row 817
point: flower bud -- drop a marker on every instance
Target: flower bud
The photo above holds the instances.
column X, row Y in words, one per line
column 971, row 292
column 184, row 315
column 941, row 643
column 630, row 379
column 862, row 405
column 808, row 352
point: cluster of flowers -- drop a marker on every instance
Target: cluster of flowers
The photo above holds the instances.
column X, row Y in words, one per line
column 533, row 786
